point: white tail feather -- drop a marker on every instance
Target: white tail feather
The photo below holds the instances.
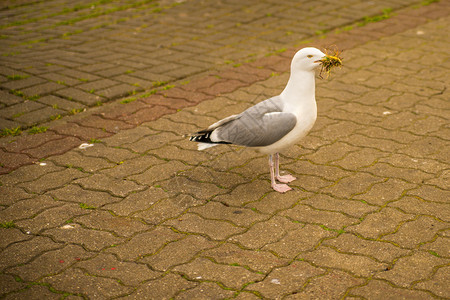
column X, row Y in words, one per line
column 203, row 146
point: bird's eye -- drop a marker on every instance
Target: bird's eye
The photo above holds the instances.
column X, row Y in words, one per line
column 309, row 56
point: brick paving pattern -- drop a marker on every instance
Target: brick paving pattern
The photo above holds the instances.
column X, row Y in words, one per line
column 140, row 213
column 65, row 56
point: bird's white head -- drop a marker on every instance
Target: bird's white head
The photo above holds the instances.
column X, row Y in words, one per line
column 307, row 59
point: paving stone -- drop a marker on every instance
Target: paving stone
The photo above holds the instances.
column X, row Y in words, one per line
column 231, row 276
column 206, row 290
column 51, row 217
column 361, row 266
column 378, row 289
column 76, row 281
column 199, row 190
column 144, row 244
column 353, row 185
column 439, row 246
column 52, row 180
column 23, row 83
column 360, row 159
column 384, row 222
column 431, row 193
column 130, row 167
column 437, row 283
column 12, row 194
column 159, row 172
column 54, row 147
column 389, row 171
column 102, row 220
column 8, row 284
column 215, row 229
column 28, row 173
column 178, row 252
column 27, row 208
column 352, row 208
column 215, row 210
column 330, row 153
column 264, row 233
column 60, row 79
column 60, row 103
column 10, row 161
column 123, row 109
column 51, row 262
column 20, row 108
column 112, row 126
column 163, row 288
column 153, row 141
column 136, row 203
column 83, row 133
column 118, row 91
column 327, row 172
column 92, row 240
column 38, row 116
column 96, row 85
column 117, row 187
column 253, row 191
column 305, row 214
column 30, row 141
column 42, row 89
column 75, row 193
column 333, row 284
column 32, row 291
column 128, row 136
column 382, row 251
column 147, row 114
column 22, row 252
column 231, row 254
column 272, row 203
column 223, row 179
column 298, row 240
column 12, row 235
column 77, row 95
column 116, row 155
column 168, row 208
column 76, row 160
column 9, row 99
column 285, row 280
column 129, row 273
column 415, row 232
column 9, row 124
column 381, row 193
column 138, row 82
column 409, row 269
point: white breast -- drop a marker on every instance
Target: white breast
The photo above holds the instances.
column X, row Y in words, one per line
column 305, row 122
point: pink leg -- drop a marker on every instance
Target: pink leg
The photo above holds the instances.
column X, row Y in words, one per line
column 286, row 178
column 282, row 188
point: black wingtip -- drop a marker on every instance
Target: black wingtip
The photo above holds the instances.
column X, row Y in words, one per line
column 204, row 137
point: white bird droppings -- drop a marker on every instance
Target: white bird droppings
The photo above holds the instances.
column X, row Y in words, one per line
column 85, row 145
column 275, row 281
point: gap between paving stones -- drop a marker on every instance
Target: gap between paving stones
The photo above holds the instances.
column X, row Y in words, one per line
column 97, row 123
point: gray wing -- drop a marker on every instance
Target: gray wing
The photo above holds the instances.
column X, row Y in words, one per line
column 260, row 125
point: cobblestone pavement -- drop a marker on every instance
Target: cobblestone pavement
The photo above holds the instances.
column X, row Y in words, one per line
column 59, row 57
column 139, row 213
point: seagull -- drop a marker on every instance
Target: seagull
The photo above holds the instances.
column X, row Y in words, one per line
column 276, row 123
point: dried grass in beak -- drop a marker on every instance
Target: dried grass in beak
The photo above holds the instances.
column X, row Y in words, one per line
column 330, row 61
